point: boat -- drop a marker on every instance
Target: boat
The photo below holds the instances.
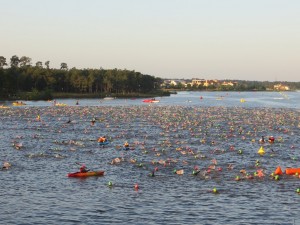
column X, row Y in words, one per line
column 18, row 103
column 153, row 100
column 103, row 143
column 108, row 98
column 4, row 107
column 60, row 104
column 87, row 174
column 292, row 171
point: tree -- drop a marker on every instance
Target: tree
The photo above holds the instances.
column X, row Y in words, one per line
column 2, row 62
column 39, row 64
column 25, row 61
column 14, row 61
column 63, row 66
column 47, row 64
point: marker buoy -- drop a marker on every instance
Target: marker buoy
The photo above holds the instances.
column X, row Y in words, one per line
column 261, row 151
column 215, row 191
column 278, row 171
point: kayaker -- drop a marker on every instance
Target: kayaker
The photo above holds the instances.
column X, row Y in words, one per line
column 83, row 169
column 102, row 139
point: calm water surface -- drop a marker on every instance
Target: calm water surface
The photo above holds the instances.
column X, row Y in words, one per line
column 216, row 133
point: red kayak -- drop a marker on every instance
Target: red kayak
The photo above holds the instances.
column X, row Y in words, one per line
column 150, row 100
column 292, row 171
column 86, row 174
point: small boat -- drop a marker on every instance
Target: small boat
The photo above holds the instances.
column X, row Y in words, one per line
column 4, row 107
column 153, row 100
column 60, row 104
column 18, row 103
column 108, row 98
column 87, row 174
column 103, row 143
column 292, row 171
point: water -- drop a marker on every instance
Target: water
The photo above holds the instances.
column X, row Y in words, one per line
column 182, row 130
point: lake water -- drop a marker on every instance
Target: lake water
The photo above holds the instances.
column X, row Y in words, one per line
column 213, row 131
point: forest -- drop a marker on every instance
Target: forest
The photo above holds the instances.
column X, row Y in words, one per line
column 20, row 79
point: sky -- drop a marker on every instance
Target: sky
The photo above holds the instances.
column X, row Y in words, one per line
column 173, row 39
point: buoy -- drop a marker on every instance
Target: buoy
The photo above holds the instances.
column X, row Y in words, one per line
column 278, row 171
column 110, row 184
column 298, row 190
column 215, row 191
column 261, row 151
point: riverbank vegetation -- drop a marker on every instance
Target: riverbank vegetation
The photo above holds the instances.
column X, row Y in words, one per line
column 19, row 79
column 23, row 80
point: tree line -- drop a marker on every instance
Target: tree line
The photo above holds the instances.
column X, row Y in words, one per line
column 19, row 75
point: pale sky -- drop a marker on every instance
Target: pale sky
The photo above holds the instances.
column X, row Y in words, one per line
column 209, row 39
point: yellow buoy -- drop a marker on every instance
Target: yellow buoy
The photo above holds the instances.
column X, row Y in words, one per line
column 261, row 150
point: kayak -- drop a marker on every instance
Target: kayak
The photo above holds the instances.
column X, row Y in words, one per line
column 87, row 174
column 151, row 101
column 103, row 143
column 292, row 171
column 18, row 103
column 4, row 107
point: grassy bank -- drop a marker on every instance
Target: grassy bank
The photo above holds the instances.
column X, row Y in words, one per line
column 48, row 95
column 115, row 95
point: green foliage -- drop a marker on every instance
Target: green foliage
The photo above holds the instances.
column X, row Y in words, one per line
column 34, row 80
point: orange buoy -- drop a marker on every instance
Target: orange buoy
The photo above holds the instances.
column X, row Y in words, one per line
column 278, row 171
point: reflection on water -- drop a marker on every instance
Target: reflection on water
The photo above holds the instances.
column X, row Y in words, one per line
column 181, row 132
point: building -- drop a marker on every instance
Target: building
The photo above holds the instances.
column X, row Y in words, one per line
column 281, row 87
